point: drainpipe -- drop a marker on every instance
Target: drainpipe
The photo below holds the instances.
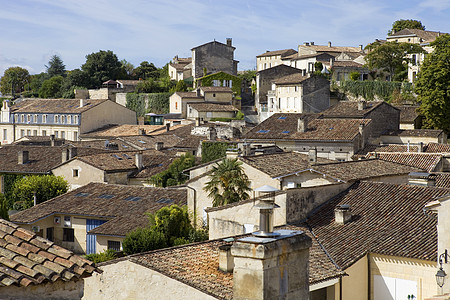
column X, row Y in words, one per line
column 34, row 198
column 369, row 276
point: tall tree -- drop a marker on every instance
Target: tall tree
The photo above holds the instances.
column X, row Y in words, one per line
column 402, row 24
column 127, row 69
column 146, row 70
column 56, row 66
column 100, row 67
column 391, row 57
column 227, row 183
column 51, row 88
column 433, row 85
column 14, row 80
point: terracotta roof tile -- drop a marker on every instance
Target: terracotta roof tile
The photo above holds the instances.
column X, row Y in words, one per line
column 437, row 148
column 442, row 180
column 216, row 89
column 290, row 79
column 408, row 113
column 416, row 132
column 282, row 53
column 22, row 264
column 33, row 105
column 320, row 48
column 349, row 109
column 213, row 107
column 122, row 130
column 424, row 161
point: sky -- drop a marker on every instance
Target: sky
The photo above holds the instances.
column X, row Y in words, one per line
column 157, row 30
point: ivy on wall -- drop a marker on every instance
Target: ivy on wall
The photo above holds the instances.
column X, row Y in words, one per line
column 369, row 89
column 8, row 184
column 221, row 76
column 141, row 103
column 214, row 150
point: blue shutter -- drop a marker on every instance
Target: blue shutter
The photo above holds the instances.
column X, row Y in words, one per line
column 91, row 238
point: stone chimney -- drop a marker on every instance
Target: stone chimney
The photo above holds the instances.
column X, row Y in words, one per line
column 272, row 268
column 229, row 42
column 226, row 261
column 361, row 47
column 139, row 163
column 167, row 127
column 302, row 124
column 329, row 44
column 141, row 131
column 312, row 43
column 362, row 104
column 212, row 134
column 81, row 102
column 159, row 146
column 52, row 140
column 362, row 134
column 342, row 214
column 306, row 43
column 312, row 155
column 23, row 157
column 420, row 147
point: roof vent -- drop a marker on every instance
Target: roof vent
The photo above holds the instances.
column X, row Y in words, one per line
column 362, row 104
column 159, row 146
column 226, row 261
column 266, row 205
column 23, row 157
column 342, row 213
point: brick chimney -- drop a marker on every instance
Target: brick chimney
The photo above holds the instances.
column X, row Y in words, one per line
column 23, row 157
column 272, row 268
column 229, row 42
column 342, row 213
column 302, row 124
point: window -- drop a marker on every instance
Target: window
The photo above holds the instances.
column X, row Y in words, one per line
column 35, row 118
column 35, row 132
column 214, row 95
column 176, row 105
column 63, row 134
column 75, row 119
column 68, row 235
column 63, row 119
column 56, row 119
column 22, row 133
column 22, row 118
column 75, row 172
column 49, row 234
column 16, row 118
column 44, row 118
column 215, row 82
column 5, row 134
column 28, row 132
column 56, row 133
column 44, row 132
column 75, row 136
column 114, row 245
column 28, row 118
column 69, row 119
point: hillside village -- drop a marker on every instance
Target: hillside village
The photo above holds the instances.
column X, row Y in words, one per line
column 315, row 176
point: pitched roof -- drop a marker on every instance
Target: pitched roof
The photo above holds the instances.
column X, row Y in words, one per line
column 192, row 95
column 114, row 130
column 416, row 132
column 408, row 113
column 442, row 180
column 149, row 141
column 284, row 126
column 153, row 164
column 278, row 164
column 213, row 42
column 105, row 201
column 216, row 89
column 349, row 109
column 290, row 79
column 437, row 148
column 27, row 259
column 387, row 219
column 34, row 105
column 350, row 64
column 212, row 107
column 320, row 48
column 426, row 35
column 424, row 161
column 282, row 53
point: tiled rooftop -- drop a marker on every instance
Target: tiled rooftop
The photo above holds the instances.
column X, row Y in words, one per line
column 123, row 130
column 290, row 79
column 349, row 109
column 216, row 89
column 212, row 107
column 416, row 133
column 437, row 148
column 107, row 201
column 27, row 259
column 282, row 53
column 408, row 113
column 442, row 180
column 33, row 105
column 424, row 161
column 425, row 35
column 320, row 48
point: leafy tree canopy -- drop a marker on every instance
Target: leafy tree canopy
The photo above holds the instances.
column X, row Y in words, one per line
column 56, row 66
column 14, row 80
column 100, row 67
column 432, row 85
column 127, row 69
column 227, row 183
column 402, row 24
column 46, row 187
column 51, row 88
column 391, row 57
column 174, row 174
column 147, row 70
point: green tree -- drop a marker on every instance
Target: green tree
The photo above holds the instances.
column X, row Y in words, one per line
column 433, row 85
column 100, row 67
column 127, row 69
column 143, row 239
column 402, row 24
column 179, row 87
column 3, row 208
column 14, row 80
column 227, row 183
column 45, row 187
column 391, row 57
column 51, row 88
column 36, row 81
column 56, row 66
column 355, row 76
column 148, row 86
column 173, row 222
column 147, row 70
column 174, row 174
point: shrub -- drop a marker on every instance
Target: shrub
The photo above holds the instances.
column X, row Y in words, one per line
column 102, row 256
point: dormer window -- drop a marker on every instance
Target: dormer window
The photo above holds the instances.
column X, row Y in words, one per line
column 75, row 119
column 44, row 118
column 35, row 118
column 28, row 118
column 56, row 119
column 69, row 119
column 22, row 118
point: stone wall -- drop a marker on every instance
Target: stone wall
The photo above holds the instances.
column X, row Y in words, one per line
column 384, row 118
column 215, row 57
column 316, row 94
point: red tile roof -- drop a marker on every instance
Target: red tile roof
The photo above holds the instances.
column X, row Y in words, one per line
column 33, row 105
column 282, row 53
column 424, row 161
column 437, row 148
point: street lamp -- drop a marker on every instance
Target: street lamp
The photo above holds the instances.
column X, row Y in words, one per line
column 440, row 275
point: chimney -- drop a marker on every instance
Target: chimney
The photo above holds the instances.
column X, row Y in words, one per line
column 362, row 104
column 212, row 134
column 167, row 127
column 139, row 163
column 65, row 155
column 306, row 43
column 342, row 213
column 229, row 42
column 312, row 43
column 421, row 179
column 331, row 62
column 272, row 268
column 420, row 147
column 226, row 261
column 247, row 150
column 81, row 102
column 23, row 157
column 52, row 140
column 199, row 94
column 329, row 44
column 363, row 137
column 141, row 131
column 361, row 48
column 303, row 72
column 312, row 155
column 302, row 124
column 159, row 146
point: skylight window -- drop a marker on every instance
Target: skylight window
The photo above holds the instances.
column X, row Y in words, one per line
column 141, row 141
column 165, row 201
column 125, row 146
column 82, row 195
column 263, row 131
column 282, row 118
column 126, row 156
column 286, row 131
column 106, row 196
column 117, row 156
column 133, row 198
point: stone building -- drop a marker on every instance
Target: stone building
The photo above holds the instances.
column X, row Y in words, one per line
column 271, row 59
column 214, row 57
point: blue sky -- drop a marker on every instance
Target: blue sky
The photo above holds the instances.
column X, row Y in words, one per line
column 157, row 30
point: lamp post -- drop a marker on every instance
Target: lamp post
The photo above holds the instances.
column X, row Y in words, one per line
column 266, row 206
column 440, row 275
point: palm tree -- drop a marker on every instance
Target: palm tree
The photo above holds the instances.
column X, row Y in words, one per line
column 227, row 183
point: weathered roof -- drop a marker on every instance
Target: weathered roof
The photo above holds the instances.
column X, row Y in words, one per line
column 284, row 126
column 442, row 180
column 149, row 141
column 387, row 219
column 348, row 64
column 122, row 130
column 437, row 148
column 408, row 113
column 290, row 79
column 424, row 161
column 216, row 89
column 282, row 53
column 212, row 107
column 213, row 42
column 153, row 164
column 349, row 109
column 105, row 201
column 320, row 48
column 416, row 132
column 426, row 35
column 192, row 95
column 34, row 105
column 27, row 259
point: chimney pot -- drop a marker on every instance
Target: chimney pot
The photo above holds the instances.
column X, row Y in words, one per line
column 159, row 146
column 362, row 104
column 23, row 157
column 226, row 261
column 342, row 213
column 302, row 125
column 229, row 42
column 312, row 155
column 329, row 44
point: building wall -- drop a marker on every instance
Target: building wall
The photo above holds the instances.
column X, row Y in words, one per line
column 127, row 280
column 99, row 93
column 86, row 173
column 413, row 140
column 106, row 113
column 305, row 179
column 117, row 178
column 384, row 117
column 193, row 114
column 215, row 57
column 316, row 94
column 175, row 104
column 421, row 271
column 121, row 98
column 102, row 242
column 443, row 229
column 7, row 133
column 70, row 132
column 266, row 62
column 355, row 286
column 66, row 290
column 218, row 97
